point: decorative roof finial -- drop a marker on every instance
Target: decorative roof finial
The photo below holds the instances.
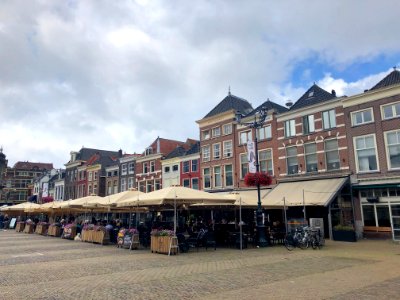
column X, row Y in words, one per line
column 229, row 91
column 394, row 68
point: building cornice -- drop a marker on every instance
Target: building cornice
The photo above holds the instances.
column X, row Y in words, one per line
column 225, row 116
column 371, row 96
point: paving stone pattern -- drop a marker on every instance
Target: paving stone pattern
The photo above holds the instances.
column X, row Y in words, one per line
column 40, row 267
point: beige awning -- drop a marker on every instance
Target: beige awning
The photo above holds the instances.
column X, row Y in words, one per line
column 174, row 194
column 316, row 192
column 20, row 207
column 80, row 202
column 113, row 200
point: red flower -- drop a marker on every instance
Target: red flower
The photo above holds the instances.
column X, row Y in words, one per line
column 262, row 178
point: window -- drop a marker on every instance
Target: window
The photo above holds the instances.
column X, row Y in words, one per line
column 227, row 148
column 149, row 186
column 131, row 168
column 166, row 169
column 393, row 148
column 365, row 153
column 142, row 186
column 195, row 183
column 244, row 165
column 175, row 168
column 228, row 175
column 123, row 184
column 291, row 158
column 308, row 124
column 391, row 111
column 206, row 153
column 227, row 129
column 361, row 117
column 265, row 161
column 369, row 215
column 115, row 186
column 109, row 188
column 310, row 153
column 95, row 189
column 90, row 176
column 145, row 168
column 332, row 155
column 149, row 151
column 157, row 184
column 123, row 169
column 245, row 136
column 109, row 174
column 95, row 175
column 90, row 191
column 130, row 183
column 207, row 178
column 186, row 166
column 290, row 128
column 195, row 163
column 186, row 183
column 206, row 134
column 217, row 177
column 152, row 166
column 216, row 151
column 116, row 173
column 329, row 119
column 216, row 132
column 264, row 133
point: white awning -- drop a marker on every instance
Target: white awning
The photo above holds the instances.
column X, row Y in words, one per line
column 316, row 192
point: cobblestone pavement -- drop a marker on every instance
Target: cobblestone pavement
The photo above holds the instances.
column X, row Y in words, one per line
column 39, row 267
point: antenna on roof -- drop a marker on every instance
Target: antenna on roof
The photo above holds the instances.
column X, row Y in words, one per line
column 229, row 90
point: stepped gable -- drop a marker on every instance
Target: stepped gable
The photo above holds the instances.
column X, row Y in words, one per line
column 269, row 105
column 391, row 79
column 314, row 95
column 231, row 102
column 26, row 165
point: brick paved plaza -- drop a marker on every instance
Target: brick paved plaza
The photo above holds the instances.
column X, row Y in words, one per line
column 38, row 267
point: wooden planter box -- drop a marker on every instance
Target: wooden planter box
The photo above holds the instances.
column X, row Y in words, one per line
column 161, row 244
column 344, row 235
column 87, row 236
column 101, row 237
column 20, row 227
column 54, row 231
column 29, row 228
column 41, row 229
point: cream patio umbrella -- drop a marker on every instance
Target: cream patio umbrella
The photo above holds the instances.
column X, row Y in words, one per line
column 175, row 195
column 20, row 207
column 113, row 200
column 79, row 203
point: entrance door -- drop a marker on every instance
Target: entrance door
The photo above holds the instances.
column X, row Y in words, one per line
column 396, row 221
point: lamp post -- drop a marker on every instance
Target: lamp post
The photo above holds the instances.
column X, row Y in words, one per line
column 260, row 116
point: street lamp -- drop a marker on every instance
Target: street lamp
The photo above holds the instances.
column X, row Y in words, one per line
column 260, row 116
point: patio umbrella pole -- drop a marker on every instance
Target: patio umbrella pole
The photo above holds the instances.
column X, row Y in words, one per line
column 284, row 209
column 240, row 223
column 175, row 215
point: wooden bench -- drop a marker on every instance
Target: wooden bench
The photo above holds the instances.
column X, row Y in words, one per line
column 377, row 229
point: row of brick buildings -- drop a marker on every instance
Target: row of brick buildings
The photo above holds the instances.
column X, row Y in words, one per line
column 320, row 137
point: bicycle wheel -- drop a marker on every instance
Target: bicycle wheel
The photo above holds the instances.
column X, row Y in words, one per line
column 314, row 244
column 303, row 245
column 289, row 243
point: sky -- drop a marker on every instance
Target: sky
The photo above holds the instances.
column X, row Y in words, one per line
column 116, row 74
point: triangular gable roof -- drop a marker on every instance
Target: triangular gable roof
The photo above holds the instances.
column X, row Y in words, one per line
column 391, row 79
column 231, row 102
column 269, row 105
column 314, row 95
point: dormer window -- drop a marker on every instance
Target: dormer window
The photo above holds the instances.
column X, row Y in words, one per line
column 149, row 151
column 310, row 94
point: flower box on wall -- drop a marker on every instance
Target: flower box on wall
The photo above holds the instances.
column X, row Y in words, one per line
column 344, row 235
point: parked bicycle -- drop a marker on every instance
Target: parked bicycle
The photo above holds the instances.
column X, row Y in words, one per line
column 296, row 239
column 315, row 239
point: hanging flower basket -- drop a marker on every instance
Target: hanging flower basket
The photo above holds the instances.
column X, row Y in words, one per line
column 261, row 178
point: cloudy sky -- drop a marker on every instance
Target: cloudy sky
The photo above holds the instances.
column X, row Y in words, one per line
column 117, row 74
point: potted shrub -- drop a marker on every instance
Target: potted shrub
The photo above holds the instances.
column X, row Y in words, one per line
column 344, row 233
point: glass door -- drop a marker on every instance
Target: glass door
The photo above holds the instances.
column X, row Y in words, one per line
column 396, row 221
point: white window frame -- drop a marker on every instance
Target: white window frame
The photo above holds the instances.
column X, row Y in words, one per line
column 194, row 164
column 205, row 134
column 328, row 151
column 361, row 113
column 389, row 163
column 228, row 151
column 290, row 128
column 183, row 166
column 308, row 127
column 356, row 153
column 152, row 166
column 124, row 169
column 217, row 176
column 244, row 164
column 393, row 109
column 90, row 177
column 192, row 185
column 328, row 123
column 206, row 153
column 244, row 136
column 227, row 129
column 131, row 182
column 204, row 178
column 287, row 160
column 131, row 168
column 261, row 160
column 226, row 176
column 264, row 133
column 217, row 151
column 123, row 184
column 186, row 180
column 216, row 132
column 146, row 167
column 308, row 154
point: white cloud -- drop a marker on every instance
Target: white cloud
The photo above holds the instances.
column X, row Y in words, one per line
column 117, row 74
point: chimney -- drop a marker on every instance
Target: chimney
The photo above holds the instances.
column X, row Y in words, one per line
column 334, row 93
column 120, row 153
